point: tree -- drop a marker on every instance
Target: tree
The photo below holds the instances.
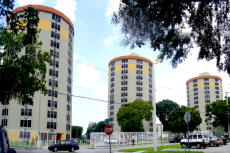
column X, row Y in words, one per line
column 131, row 115
column 172, row 27
column 176, row 119
column 22, row 62
column 95, row 127
column 77, row 131
column 163, row 108
column 219, row 112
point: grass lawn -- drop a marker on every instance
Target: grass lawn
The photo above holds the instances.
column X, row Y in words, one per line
column 159, row 149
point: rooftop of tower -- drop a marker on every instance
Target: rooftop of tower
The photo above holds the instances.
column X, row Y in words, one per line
column 204, row 75
column 45, row 9
column 131, row 56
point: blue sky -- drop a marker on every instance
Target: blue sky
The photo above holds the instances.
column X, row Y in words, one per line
column 97, row 41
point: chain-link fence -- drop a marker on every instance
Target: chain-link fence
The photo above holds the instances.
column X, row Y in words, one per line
column 99, row 139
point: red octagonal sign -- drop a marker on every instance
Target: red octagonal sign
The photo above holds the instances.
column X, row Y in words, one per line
column 108, row 129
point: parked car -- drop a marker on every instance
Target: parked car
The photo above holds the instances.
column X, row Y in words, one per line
column 198, row 140
column 175, row 139
column 214, row 141
column 4, row 142
column 66, row 145
column 224, row 140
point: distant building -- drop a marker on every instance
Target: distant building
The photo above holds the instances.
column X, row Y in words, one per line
column 50, row 116
column 203, row 90
column 130, row 78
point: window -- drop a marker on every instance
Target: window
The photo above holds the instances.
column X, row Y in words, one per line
column 68, row 117
column 124, row 100
column 150, row 91
column 124, row 71
column 111, row 101
column 56, row 26
column 68, row 107
column 111, row 107
column 195, row 89
column 69, row 71
column 124, row 77
column 68, row 127
column 206, row 79
column 55, row 35
column 124, row 82
column 195, row 93
column 24, row 135
column 112, row 74
column 69, row 80
column 195, row 102
column 68, row 98
column 195, row 85
column 139, row 77
column 26, row 112
column 138, row 83
column 111, row 113
column 52, row 93
column 53, row 73
column 54, row 53
column 138, row 72
column 124, row 66
column 139, row 61
column 52, row 114
column 139, row 66
column 124, row 94
column 139, row 88
column 207, row 101
column 56, row 17
column 196, row 106
column 54, row 44
column 195, row 98
column 4, row 111
column 124, row 88
column 206, row 83
column 68, row 89
column 194, row 81
column 139, row 94
column 206, row 87
column 54, row 63
column 111, row 85
column 4, row 122
column 217, row 88
column 52, row 103
column 25, row 123
column 53, row 83
column 111, row 90
column 51, row 125
column 217, row 92
column 124, row 60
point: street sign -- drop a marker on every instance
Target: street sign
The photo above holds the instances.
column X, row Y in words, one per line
column 187, row 117
column 108, row 129
column 108, row 120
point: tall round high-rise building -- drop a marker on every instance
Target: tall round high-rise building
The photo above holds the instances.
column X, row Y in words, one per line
column 202, row 90
column 130, row 78
column 50, row 116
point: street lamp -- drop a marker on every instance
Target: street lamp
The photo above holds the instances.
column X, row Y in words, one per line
column 154, row 110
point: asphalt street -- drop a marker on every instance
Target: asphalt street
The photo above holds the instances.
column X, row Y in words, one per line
column 86, row 149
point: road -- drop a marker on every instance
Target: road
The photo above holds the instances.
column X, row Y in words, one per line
column 84, row 149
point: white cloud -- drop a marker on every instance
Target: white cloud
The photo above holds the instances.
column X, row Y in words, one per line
column 67, row 7
column 112, row 7
column 110, row 39
column 26, row 2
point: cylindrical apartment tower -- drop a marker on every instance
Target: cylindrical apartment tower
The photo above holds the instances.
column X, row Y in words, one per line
column 50, row 116
column 130, row 78
column 203, row 90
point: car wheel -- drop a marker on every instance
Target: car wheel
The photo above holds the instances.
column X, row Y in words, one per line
column 72, row 150
column 55, row 149
column 198, row 146
column 212, row 144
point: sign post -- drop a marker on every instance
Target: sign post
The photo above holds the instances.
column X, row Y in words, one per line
column 187, row 118
column 109, row 131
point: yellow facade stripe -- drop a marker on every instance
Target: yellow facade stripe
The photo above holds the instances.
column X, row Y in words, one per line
column 117, row 68
column 64, row 33
column 145, row 68
column 220, row 86
column 200, row 85
column 132, row 67
column 190, row 87
column 211, row 84
column 44, row 24
column 13, row 135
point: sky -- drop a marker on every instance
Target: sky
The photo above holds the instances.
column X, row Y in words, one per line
column 97, row 41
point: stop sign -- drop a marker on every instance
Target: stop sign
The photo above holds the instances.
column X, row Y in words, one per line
column 108, row 129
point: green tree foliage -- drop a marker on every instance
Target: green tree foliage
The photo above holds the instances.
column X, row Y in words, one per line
column 131, row 115
column 77, row 131
column 218, row 111
column 164, row 107
column 176, row 119
column 172, row 27
column 22, row 62
column 95, row 127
